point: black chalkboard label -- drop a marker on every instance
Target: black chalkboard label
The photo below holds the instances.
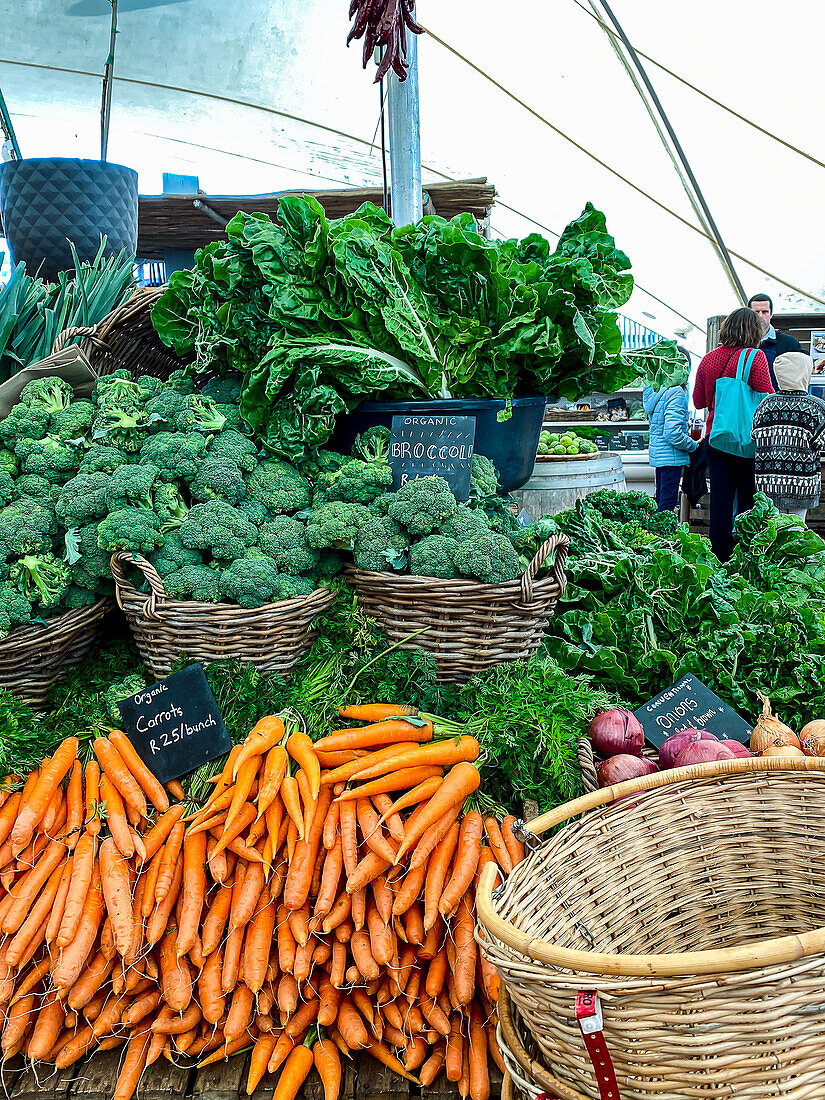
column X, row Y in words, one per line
column 688, row 704
column 175, row 724
column 425, row 445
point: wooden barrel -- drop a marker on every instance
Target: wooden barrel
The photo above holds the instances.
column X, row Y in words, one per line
column 556, row 486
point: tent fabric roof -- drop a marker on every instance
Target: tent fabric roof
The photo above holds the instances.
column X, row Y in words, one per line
column 262, row 96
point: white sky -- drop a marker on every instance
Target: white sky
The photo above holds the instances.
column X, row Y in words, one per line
column 759, row 58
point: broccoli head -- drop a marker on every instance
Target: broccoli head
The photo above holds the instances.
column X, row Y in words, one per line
column 234, row 447
column 490, row 558
column 433, row 557
column 291, row 588
column 117, row 692
column 26, row 527
column 36, row 487
column 224, row 389
column 74, row 422
column 136, row 529
column 50, row 457
column 322, row 462
column 82, row 499
column 23, row 423
column 284, row 539
column 88, row 562
column 172, row 555
column 201, row 414
column 252, row 581
column 41, row 577
column 330, row 565
column 465, row 523
column 15, row 609
column 124, row 427
column 102, row 458
column 336, row 525
column 483, row 477
column 49, row 394
column 178, row 456
column 381, row 505
column 219, row 528
column 218, row 479
column 76, row 597
column 7, row 488
column 373, row 445
column 195, row 582
column 254, row 511
column 181, row 381
column 357, row 482
column 279, row 487
column 423, row 505
column 115, row 389
column 131, row 487
column 169, row 505
column 233, row 418
column 168, row 411
column 149, row 386
column 8, row 461
column 381, row 545
column 499, row 515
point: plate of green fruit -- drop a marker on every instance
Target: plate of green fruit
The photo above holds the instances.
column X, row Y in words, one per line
column 555, row 446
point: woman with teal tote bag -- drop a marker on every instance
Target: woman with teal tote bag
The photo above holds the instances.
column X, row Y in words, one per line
column 727, row 384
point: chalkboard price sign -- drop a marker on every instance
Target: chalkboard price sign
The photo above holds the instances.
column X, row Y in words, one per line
column 422, row 446
column 175, row 724
column 688, row 704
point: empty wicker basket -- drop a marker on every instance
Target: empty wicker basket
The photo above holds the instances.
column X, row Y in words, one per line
column 273, row 637
column 32, row 658
column 467, row 626
column 696, row 909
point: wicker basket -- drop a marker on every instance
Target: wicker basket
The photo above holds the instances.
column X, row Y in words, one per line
column 126, row 339
column 696, row 909
column 273, row 637
column 467, row 626
column 32, row 658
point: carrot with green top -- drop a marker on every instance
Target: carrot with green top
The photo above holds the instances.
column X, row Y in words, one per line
column 147, row 781
column 376, row 712
column 372, row 759
column 445, row 753
column 459, row 783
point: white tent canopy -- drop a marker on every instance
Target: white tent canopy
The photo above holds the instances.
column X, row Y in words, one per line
column 262, row 95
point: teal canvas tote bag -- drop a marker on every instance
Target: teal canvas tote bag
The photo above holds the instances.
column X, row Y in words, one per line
column 735, row 405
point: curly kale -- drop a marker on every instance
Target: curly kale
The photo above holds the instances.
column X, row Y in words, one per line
column 381, row 545
column 131, row 487
column 136, row 529
column 41, row 577
column 195, row 582
column 483, row 477
column 234, row 447
column 172, row 555
column 218, row 479
column 465, row 523
column 423, row 505
column 15, row 610
column 49, row 457
column 103, row 459
column 357, row 482
column 219, row 528
column 284, row 539
column 48, row 394
column 169, row 506
column 490, row 558
column 433, row 556
column 178, row 456
column 279, row 487
column 336, row 525
column 632, row 507
column 373, row 445
column 82, row 499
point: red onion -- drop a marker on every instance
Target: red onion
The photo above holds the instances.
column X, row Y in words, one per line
column 699, row 751
column 673, row 745
column 616, row 769
column 737, row 748
column 616, row 731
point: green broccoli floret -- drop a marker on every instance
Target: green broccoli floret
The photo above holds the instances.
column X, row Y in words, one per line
column 125, row 427
column 201, row 414
column 8, row 461
column 279, row 487
column 172, row 555
column 381, row 545
column 15, row 609
column 219, row 528
column 291, row 588
column 336, row 525
column 195, row 582
column 169, row 412
column 101, row 458
column 530, row 537
column 88, row 562
column 115, row 387
column 322, row 461
column 252, row 582
column 23, row 423
column 76, row 597
column 483, row 477
column 357, row 482
column 433, row 557
column 36, row 487
column 225, row 389
column 373, row 445
column 131, row 487
column 330, row 565
column 423, row 505
column 284, row 539
column 465, row 523
column 50, row 457
column 50, row 394
column 500, row 515
column 74, row 422
column 169, row 506
column 41, row 577
column 178, row 456
column 233, row 418
column 149, row 386
column 83, row 498
column 490, row 558
column 234, row 447
column 381, row 505
column 254, row 511
column 218, row 479
column 7, row 488
column 181, row 381
column 120, row 690
column 26, row 527
column 135, row 529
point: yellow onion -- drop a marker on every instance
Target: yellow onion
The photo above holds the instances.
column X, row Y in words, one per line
column 812, row 737
column 770, row 731
column 783, row 750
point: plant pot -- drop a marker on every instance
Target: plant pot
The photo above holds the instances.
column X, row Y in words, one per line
column 46, row 202
column 511, row 444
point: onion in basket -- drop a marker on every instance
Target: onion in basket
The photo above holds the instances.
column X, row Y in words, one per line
column 624, row 766
column 616, row 731
column 812, row 737
column 768, row 728
column 673, row 745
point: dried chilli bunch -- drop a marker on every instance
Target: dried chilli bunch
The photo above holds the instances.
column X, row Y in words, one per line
column 384, row 23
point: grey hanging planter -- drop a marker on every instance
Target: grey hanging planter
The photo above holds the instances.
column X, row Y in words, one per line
column 46, row 202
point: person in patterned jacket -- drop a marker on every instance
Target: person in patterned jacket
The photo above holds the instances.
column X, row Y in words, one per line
column 789, row 433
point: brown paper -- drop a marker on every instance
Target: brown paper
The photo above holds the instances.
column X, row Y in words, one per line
column 70, row 364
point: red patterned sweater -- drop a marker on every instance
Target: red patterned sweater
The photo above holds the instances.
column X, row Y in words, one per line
column 721, row 363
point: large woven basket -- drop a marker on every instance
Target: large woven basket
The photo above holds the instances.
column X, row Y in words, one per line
column 126, row 339
column 696, row 910
column 273, row 637
column 32, row 658
column 467, row 626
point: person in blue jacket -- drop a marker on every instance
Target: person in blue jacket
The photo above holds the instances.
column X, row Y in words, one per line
column 670, row 445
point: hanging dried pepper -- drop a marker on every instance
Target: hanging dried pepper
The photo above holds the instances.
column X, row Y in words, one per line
column 384, row 23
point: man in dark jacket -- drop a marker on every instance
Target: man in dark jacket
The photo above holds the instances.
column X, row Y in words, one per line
column 773, row 343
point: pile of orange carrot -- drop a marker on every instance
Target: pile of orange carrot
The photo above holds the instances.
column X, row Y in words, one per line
column 319, row 903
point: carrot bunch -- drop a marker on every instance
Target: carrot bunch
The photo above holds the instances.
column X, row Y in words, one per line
column 320, row 902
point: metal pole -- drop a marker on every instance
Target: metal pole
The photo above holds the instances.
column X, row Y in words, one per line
column 405, row 140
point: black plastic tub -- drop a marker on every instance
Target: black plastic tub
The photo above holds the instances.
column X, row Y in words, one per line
column 511, row 444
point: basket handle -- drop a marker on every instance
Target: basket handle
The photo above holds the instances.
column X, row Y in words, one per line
column 153, row 606
column 72, row 333
column 529, row 1066
column 561, row 544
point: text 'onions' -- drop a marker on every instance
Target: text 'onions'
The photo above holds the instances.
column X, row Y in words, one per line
column 616, row 731
column 673, row 745
column 618, row 769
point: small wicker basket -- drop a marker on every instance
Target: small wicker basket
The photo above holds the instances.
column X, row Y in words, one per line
column 467, row 626
column 126, row 339
column 273, row 637
column 32, row 658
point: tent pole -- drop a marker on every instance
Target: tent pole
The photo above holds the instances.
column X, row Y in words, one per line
column 405, row 140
